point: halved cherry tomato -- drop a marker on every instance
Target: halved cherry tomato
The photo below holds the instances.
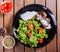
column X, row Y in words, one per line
column 29, row 34
column 40, row 41
column 9, row 9
column 40, row 30
column 4, row 11
column 10, row 4
column 31, row 26
column 6, row 7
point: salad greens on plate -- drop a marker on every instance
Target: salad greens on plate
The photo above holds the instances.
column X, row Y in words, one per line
column 31, row 32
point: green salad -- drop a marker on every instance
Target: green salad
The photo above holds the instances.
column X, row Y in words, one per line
column 30, row 32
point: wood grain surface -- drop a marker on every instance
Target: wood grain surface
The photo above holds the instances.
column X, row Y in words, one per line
column 58, row 24
column 40, row 2
column 51, row 4
column 17, row 5
column 1, row 17
column 8, row 18
column 1, row 46
column 6, row 21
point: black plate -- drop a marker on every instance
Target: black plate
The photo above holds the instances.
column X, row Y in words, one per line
column 36, row 7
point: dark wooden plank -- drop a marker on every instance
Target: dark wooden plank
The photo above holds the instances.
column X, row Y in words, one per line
column 8, row 50
column 18, row 5
column 1, row 20
column 51, row 47
column 1, row 17
column 8, row 18
column 29, row 49
column 42, row 2
column 28, row 2
column 58, row 23
column 1, row 46
column 51, row 4
column 1, row 26
column 19, row 47
column 43, row 49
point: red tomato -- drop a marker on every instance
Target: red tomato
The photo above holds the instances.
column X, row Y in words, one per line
column 31, row 26
column 40, row 41
column 9, row 4
column 40, row 30
column 9, row 9
column 4, row 11
column 4, row 6
column 29, row 34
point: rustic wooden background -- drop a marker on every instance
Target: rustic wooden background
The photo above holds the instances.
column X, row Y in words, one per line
column 6, row 21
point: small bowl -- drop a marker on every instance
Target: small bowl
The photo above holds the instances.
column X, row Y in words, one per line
column 7, row 47
column 4, row 3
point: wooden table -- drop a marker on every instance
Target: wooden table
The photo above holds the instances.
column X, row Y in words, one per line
column 6, row 21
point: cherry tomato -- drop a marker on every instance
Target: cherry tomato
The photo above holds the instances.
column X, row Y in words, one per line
column 40, row 30
column 4, row 11
column 4, row 6
column 9, row 9
column 40, row 41
column 31, row 26
column 29, row 34
column 10, row 4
